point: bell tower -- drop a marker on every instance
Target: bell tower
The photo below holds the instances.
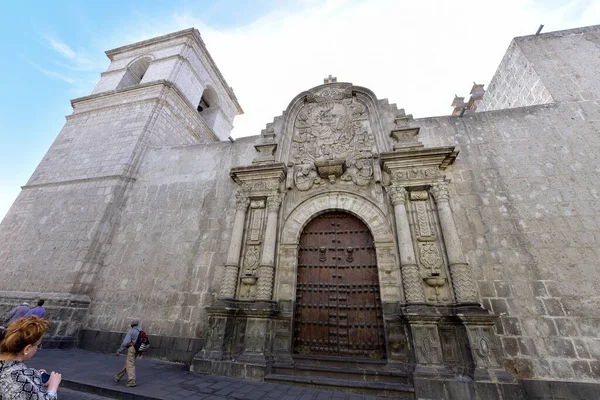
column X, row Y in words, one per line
column 165, row 91
column 179, row 60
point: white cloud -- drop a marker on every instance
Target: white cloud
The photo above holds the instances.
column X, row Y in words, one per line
column 416, row 54
column 60, row 47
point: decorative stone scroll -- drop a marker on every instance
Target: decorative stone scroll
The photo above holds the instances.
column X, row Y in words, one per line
column 332, row 125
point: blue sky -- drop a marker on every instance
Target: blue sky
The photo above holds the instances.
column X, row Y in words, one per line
column 417, row 54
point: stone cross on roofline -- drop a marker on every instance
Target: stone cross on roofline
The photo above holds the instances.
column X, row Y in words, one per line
column 330, row 79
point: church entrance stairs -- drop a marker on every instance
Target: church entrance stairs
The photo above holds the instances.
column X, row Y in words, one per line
column 351, row 375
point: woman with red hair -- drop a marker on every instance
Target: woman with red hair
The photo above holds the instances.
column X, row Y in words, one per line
column 17, row 382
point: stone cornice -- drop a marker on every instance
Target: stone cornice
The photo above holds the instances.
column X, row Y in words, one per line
column 259, row 178
column 160, row 84
column 414, row 166
column 437, row 156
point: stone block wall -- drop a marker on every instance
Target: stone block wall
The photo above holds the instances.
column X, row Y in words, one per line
column 516, row 83
column 51, row 233
column 540, row 69
column 65, row 312
column 165, row 258
column 525, row 200
column 566, row 62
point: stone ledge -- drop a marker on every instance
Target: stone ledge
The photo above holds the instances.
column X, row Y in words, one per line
column 65, row 297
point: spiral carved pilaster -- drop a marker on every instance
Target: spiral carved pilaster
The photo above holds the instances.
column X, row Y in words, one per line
column 463, row 283
column 229, row 282
column 413, row 290
column 264, row 289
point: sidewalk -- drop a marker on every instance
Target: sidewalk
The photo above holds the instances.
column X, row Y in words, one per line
column 93, row 372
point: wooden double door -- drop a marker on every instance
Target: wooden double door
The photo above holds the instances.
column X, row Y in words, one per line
column 338, row 305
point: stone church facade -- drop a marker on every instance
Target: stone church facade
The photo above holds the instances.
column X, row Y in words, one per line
column 444, row 257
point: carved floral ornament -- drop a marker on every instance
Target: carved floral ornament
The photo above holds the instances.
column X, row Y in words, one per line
column 274, row 201
column 241, row 201
column 415, row 173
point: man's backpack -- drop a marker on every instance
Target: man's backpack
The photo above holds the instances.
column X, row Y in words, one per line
column 142, row 343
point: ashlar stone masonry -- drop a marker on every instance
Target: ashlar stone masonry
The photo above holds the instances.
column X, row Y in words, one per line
column 449, row 257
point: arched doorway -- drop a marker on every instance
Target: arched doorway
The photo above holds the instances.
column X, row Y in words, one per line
column 338, row 304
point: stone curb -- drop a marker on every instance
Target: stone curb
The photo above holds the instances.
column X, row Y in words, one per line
column 115, row 393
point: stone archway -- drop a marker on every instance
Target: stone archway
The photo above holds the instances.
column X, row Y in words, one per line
column 369, row 213
column 338, row 306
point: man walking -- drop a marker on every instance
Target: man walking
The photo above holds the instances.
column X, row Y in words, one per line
column 16, row 313
column 129, row 342
column 38, row 310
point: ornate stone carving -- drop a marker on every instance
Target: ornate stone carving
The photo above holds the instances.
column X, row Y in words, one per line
column 484, row 347
column 413, row 290
column 332, row 126
column 229, row 282
column 437, row 291
column 256, row 223
column 248, row 287
column 274, row 201
column 415, row 173
column 251, row 260
column 440, row 191
column 305, row 176
column 419, row 195
column 397, row 194
column 241, row 201
column 427, row 345
column 330, row 93
column 261, row 186
column 264, row 288
column 430, row 258
column 423, row 225
column 463, row 283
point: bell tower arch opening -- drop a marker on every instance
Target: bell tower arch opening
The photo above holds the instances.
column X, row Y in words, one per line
column 135, row 72
column 338, row 303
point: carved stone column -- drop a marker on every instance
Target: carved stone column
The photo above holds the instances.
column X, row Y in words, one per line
column 413, row 290
column 264, row 289
column 235, row 246
column 462, row 280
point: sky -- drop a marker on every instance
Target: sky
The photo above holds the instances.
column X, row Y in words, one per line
column 417, row 54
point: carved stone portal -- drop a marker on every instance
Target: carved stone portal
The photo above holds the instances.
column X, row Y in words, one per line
column 333, row 126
